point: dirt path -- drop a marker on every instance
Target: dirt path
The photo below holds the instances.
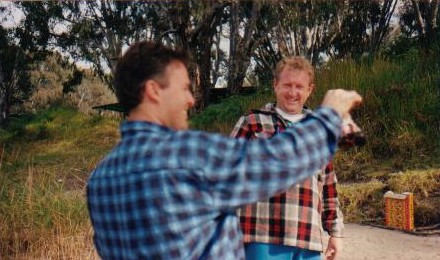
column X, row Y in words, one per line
column 366, row 242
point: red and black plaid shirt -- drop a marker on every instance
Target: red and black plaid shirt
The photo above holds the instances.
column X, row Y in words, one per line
column 298, row 216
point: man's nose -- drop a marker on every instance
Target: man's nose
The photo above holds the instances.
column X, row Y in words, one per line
column 191, row 100
column 292, row 91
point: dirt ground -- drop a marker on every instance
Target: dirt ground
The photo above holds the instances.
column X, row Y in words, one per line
column 367, row 242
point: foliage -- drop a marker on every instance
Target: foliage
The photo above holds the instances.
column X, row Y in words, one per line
column 253, row 34
column 56, row 80
column 96, row 32
column 222, row 116
column 420, row 19
column 401, row 100
column 364, row 26
column 15, row 66
column 22, row 48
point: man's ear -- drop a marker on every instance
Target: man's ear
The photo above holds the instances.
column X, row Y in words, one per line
column 312, row 87
column 274, row 84
column 152, row 91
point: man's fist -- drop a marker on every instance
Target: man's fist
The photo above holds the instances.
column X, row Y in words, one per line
column 341, row 100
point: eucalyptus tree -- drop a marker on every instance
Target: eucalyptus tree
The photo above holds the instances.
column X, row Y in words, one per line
column 243, row 40
column 305, row 28
column 205, row 44
column 420, row 19
column 196, row 27
column 364, row 26
column 15, row 84
column 381, row 23
column 258, row 33
column 320, row 30
column 95, row 32
column 21, row 47
column 311, row 26
column 14, row 74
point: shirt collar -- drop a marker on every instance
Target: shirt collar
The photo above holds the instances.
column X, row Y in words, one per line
column 131, row 127
column 271, row 107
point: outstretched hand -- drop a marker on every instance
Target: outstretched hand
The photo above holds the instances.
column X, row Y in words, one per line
column 341, row 100
column 349, row 126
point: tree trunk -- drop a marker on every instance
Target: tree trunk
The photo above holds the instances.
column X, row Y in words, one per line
column 3, row 106
column 202, row 41
column 203, row 75
column 427, row 22
column 233, row 46
column 241, row 48
column 379, row 33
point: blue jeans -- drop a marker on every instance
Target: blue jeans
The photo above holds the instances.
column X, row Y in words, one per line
column 262, row 251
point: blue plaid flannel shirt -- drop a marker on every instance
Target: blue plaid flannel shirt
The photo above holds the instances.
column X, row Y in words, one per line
column 165, row 194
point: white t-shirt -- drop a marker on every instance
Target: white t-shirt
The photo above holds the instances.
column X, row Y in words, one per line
column 291, row 117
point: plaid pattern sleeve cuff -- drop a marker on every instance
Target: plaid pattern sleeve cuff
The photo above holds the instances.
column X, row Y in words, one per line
column 330, row 118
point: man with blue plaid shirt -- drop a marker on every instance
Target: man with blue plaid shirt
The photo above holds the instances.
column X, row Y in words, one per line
column 165, row 192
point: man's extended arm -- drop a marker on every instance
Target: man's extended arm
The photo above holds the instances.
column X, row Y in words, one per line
column 239, row 172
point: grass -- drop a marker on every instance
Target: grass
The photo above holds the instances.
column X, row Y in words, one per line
column 360, row 201
column 43, row 171
column 364, row 201
column 46, row 157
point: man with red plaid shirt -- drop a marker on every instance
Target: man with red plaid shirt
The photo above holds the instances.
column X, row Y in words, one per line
column 290, row 225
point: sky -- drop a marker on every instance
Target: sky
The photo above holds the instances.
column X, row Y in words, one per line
column 11, row 16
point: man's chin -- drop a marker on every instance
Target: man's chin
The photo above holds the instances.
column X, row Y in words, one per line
column 294, row 110
column 183, row 127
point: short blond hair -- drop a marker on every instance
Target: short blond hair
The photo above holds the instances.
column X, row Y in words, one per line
column 297, row 63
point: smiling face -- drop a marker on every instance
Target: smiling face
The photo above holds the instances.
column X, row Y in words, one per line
column 292, row 89
column 176, row 97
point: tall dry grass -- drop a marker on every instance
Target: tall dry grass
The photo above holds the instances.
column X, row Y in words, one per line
column 44, row 167
column 364, row 201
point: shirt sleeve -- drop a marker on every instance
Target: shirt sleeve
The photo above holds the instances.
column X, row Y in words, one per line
column 332, row 217
column 235, row 172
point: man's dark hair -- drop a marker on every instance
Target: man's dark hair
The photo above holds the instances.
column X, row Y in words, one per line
column 142, row 61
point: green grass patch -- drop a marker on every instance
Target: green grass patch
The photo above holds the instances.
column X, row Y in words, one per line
column 46, row 159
